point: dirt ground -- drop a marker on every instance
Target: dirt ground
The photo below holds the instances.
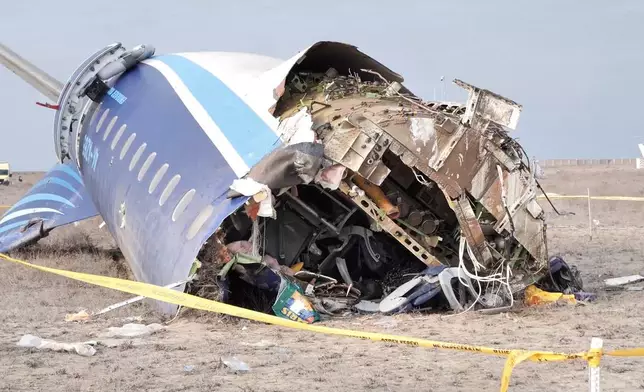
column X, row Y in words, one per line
column 284, row 360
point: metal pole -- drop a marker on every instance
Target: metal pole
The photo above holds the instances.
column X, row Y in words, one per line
column 590, row 217
column 33, row 75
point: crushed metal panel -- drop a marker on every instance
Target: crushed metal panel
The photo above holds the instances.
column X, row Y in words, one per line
column 534, row 209
column 483, row 179
column 490, row 106
column 338, row 147
column 501, row 156
column 531, row 233
column 462, row 161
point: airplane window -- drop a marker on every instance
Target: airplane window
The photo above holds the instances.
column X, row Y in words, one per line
column 157, row 178
column 137, row 156
column 146, row 165
column 102, row 120
column 183, row 203
column 95, row 113
column 168, row 189
column 109, row 127
column 127, row 145
column 199, row 221
column 118, row 136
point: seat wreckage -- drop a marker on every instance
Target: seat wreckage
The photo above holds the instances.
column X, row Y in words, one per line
column 380, row 202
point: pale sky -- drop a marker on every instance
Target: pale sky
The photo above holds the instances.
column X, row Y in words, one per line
column 575, row 66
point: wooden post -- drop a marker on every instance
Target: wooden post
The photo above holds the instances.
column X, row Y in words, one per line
column 590, row 217
column 594, row 369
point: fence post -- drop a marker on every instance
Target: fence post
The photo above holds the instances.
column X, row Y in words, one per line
column 590, row 217
column 594, row 369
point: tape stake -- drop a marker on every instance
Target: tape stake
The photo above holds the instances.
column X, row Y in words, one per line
column 594, row 359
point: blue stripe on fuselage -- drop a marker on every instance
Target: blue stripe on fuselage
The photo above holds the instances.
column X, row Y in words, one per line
column 251, row 137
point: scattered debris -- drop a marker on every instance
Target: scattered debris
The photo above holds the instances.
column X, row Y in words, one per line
column 235, row 364
column 293, row 305
column 623, row 280
column 115, row 343
column 30, row 341
column 188, row 368
column 262, row 343
column 81, row 316
column 562, row 284
column 131, row 319
column 367, row 306
column 132, row 300
column 132, row 330
column 629, row 288
column 536, row 296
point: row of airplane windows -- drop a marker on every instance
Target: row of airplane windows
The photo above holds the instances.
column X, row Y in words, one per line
column 183, row 203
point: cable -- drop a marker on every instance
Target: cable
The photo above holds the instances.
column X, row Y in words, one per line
column 420, row 178
column 496, row 277
column 549, row 201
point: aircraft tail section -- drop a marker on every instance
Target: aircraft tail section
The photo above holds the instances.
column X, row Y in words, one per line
column 33, row 75
column 59, row 198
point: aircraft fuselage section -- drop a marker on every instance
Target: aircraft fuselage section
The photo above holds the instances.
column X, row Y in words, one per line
column 154, row 175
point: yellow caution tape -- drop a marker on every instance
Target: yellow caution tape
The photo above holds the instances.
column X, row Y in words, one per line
column 514, row 357
column 629, row 352
column 616, row 198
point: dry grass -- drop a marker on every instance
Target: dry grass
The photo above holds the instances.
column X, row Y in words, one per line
column 35, row 302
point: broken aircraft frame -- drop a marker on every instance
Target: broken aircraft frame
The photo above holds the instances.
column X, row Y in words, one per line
column 403, row 185
column 369, row 191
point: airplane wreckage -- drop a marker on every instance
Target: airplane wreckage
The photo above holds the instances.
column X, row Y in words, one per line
column 316, row 185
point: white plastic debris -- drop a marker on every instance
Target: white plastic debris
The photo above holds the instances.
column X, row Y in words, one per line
column 30, row 341
column 235, row 364
column 623, row 280
column 250, row 187
column 297, row 128
column 131, row 330
column 368, row 306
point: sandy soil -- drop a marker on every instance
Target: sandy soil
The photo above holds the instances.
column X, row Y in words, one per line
column 285, row 360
